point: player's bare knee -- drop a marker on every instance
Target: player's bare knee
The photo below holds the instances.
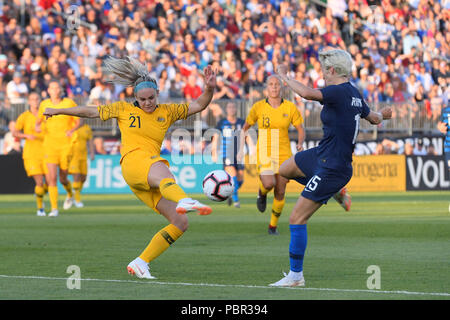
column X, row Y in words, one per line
column 298, row 219
column 181, row 222
column 269, row 185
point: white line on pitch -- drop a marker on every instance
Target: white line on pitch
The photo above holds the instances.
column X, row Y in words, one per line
column 445, row 294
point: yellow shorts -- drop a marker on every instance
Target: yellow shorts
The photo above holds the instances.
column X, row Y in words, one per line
column 78, row 166
column 135, row 167
column 35, row 167
column 59, row 156
column 271, row 164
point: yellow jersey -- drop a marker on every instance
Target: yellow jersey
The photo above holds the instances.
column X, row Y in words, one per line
column 57, row 126
column 26, row 122
column 142, row 130
column 273, row 127
column 84, row 134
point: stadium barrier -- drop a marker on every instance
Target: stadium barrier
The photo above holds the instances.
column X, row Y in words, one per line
column 409, row 117
column 370, row 173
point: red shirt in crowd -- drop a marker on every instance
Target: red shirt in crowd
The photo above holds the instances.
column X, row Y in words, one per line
column 192, row 92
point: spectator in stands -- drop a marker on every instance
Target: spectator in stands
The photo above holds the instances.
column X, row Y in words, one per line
column 389, row 43
column 11, row 145
column 431, row 151
column 419, row 149
column 16, row 89
column 100, row 94
column 192, row 90
column 99, row 145
column 408, row 148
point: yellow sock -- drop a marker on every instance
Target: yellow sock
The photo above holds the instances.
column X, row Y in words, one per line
column 277, row 208
column 263, row 190
column 77, row 186
column 39, row 191
column 45, row 188
column 68, row 188
column 171, row 191
column 53, row 194
column 160, row 242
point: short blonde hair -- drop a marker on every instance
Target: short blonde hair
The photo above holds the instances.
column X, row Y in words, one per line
column 339, row 59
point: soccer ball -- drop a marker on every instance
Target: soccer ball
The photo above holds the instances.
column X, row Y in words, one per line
column 218, row 185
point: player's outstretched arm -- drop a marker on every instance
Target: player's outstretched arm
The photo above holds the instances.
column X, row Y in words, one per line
column 376, row 117
column 298, row 87
column 82, row 112
column 205, row 98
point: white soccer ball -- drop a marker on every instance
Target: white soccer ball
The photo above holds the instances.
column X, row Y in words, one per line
column 218, row 185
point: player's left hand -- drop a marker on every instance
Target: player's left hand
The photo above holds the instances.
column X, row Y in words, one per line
column 210, row 77
column 49, row 112
column 299, row 147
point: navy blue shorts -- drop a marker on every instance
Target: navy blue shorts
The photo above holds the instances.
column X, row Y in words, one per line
column 320, row 183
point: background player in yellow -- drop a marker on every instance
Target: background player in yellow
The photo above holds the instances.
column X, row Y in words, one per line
column 274, row 115
column 33, row 154
column 143, row 125
column 58, row 139
column 78, row 166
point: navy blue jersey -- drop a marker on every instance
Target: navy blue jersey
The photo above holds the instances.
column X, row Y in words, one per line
column 343, row 107
column 445, row 117
column 230, row 136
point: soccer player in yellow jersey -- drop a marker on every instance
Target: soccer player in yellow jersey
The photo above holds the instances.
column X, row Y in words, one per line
column 58, row 139
column 274, row 116
column 78, row 166
column 143, row 125
column 33, row 155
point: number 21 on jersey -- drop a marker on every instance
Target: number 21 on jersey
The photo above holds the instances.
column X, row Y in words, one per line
column 135, row 121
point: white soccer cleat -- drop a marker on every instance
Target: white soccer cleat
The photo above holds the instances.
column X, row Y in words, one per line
column 54, row 213
column 343, row 198
column 140, row 269
column 68, row 203
column 41, row 213
column 288, row 281
column 78, row 204
column 187, row 205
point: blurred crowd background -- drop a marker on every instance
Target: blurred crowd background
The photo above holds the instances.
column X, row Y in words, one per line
column 400, row 50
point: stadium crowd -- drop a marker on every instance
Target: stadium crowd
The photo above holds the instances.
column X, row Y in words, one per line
column 400, row 48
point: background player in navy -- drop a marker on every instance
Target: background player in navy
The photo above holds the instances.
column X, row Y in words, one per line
column 443, row 126
column 325, row 169
column 230, row 128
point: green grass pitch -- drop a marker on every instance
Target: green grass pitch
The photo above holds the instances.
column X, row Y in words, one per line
column 228, row 254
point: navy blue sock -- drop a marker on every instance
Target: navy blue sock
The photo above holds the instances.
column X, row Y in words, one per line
column 297, row 246
column 235, row 191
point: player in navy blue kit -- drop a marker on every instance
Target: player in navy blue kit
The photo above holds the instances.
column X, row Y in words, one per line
column 327, row 168
column 443, row 126
column 230, row 128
